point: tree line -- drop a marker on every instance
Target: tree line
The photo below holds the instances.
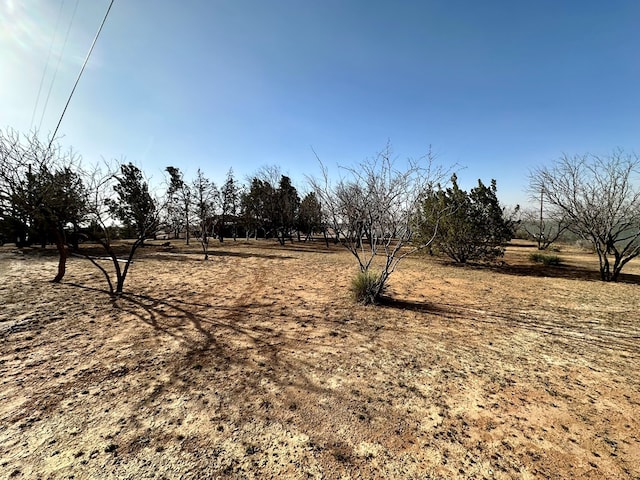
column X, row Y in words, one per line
column 47, row 195
column 380, row 211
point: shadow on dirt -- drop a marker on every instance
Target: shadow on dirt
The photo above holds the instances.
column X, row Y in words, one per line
column 416, row 306
column 565, row 271
column 221, row 337
column 199, row 256
column 569, row 272
column 236, row 363
column 307, row 247
column 603, row 335
column 250, row 367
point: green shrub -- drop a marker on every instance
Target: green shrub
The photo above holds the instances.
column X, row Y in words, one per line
column 469, row 226
column 366, row 287
column 545, row 259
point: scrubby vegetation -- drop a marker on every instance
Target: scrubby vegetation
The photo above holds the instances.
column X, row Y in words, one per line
column 465, row 226
column 377, row 210
column 545, row 259
column 366, row 287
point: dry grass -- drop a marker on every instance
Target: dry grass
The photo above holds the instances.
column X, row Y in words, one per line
column 258, row 364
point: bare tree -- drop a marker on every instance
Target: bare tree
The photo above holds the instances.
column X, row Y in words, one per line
column 544, row 226
column 205, row 198
column 598, row 197
column 372, row 212
column 118, row 193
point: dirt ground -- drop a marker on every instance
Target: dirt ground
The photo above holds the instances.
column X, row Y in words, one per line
column 257, row 364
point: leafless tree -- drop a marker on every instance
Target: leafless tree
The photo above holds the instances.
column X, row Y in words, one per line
column 600, row 198
column 545, row 226
column 205, row 199
column 371, row 210
column 117, row 193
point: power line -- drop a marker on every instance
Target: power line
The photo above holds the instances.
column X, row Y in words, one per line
column 46, row 65
column 84, row 64
column 55, row 73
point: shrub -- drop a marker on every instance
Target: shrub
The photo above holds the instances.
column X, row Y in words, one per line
column 366, row 287
column 475, row 226
column 545, row 259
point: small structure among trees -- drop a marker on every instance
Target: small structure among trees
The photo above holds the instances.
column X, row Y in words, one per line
column 379, row 211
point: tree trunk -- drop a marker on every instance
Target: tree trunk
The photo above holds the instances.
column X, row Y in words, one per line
column 62, row 259
column 205, row 246
column 120, row 274
column 221, row 230
column 605, row 269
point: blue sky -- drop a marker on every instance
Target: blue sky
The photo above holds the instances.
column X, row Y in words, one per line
column 498, row 87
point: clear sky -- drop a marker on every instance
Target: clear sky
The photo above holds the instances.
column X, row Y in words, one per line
column 498, row 87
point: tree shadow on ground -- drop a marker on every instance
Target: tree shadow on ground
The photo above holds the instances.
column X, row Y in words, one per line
column 570, row 272
column 199, row 256
column 622, row 337
column 564, row 271
column 211, row 333
column 416, row 306
column 230, row 362
column 258, row 370
column 307, row 248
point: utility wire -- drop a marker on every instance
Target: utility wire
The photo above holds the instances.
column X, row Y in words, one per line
column 93, row 44
column 46, row 65
column 55, row 73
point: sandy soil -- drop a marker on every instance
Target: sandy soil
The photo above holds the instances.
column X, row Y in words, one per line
column 257, row 364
